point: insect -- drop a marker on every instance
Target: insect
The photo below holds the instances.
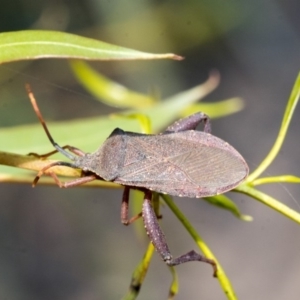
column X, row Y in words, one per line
column 181, row 161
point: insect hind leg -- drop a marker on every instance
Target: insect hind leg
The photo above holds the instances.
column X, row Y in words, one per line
column 192, row 256
column 190, row 123
column 158, row 239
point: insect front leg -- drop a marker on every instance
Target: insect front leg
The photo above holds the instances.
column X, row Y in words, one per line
column 75, row 182
column 190, row 123
column 158, row 239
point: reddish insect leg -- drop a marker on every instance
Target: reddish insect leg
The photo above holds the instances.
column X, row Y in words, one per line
column 124, row 208
column 75, row 182
column 158, row 239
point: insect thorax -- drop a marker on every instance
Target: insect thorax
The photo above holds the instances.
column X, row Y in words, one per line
column 108, row 160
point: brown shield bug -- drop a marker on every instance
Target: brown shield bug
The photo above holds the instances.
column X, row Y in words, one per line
column 180, row 161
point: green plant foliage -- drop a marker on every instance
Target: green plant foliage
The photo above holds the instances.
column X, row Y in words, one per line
column 143, row 111
column 37, row 44
column 248, row 186
column 110, row 93
column 223, row 201
column 139, row 274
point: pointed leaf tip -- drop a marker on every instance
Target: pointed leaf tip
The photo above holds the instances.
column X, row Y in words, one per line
column 41, row 44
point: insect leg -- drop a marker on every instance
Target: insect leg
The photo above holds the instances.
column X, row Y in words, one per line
column 71, row 183
column 124, row 208
column 190, row 123
column 75, row 182
column 43, row 170
column 158, row 239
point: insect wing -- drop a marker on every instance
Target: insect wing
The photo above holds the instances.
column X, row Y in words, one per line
column 189, row 163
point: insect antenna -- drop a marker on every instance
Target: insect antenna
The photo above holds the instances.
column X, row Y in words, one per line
column 41, row 119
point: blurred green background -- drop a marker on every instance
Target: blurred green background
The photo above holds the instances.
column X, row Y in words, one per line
column 70, row 244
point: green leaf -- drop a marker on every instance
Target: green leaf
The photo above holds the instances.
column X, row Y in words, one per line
column 88, row 133
column 216, row 109
column 114, row 94
column 269, row 201
column 253, row 179
column 274, row 179
column 290, row 108
column 106, row 90
column 224, row 202
column 144, row 121
column 139, row 274
column 174, row 287
column 37, row 44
